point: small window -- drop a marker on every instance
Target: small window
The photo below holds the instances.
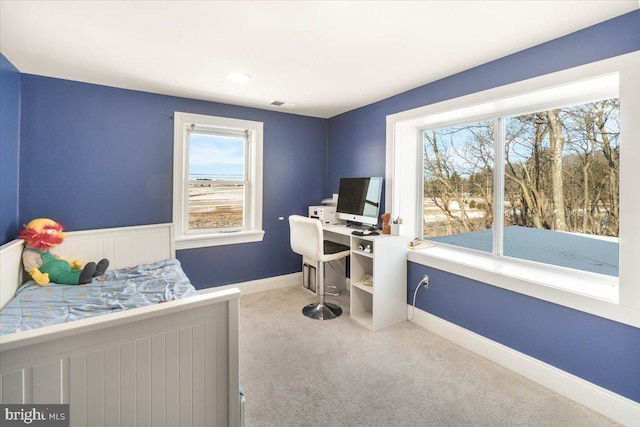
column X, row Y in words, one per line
column 217, row 180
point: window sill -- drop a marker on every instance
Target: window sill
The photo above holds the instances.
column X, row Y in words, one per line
column 218, row 239
column 591, row 293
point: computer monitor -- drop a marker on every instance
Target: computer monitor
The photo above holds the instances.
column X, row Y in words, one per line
column 359, row 200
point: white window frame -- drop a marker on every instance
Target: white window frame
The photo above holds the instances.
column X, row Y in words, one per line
column 613, row 298
column 252, row 230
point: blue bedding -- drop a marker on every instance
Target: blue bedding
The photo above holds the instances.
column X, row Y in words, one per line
column 35, row 306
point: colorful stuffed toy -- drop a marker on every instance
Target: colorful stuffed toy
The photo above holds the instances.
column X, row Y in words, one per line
column 39, row 236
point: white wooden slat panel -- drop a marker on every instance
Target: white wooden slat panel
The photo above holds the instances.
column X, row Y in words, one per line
column 111, row 386
column 85, row 250
column 222, row 373
column 47, row 382
column 11, row 271
column 172, row 383
column 158, row 383
column 144, row 248
column 95, row 389
column 211, row 395
column 198, row 372
column 185, row 372
column 123, row 246
column 78, row 390
column 128, row 390
column 143, row 383
column 13, row 387
column 232, row 356
column 65, row 383
column 165, row 364
column 28, row 390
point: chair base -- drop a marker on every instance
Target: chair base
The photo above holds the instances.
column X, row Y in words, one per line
column 322, row 311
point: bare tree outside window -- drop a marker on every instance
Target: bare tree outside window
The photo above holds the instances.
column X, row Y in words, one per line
column 563, row 169
column 458, row 179
column 561, row 175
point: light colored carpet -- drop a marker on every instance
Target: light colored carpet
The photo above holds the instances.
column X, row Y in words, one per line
column 296, row 371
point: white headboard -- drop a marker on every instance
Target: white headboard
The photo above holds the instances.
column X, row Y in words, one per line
column 122, row 246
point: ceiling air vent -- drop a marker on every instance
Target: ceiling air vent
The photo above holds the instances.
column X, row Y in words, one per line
column 283, row 104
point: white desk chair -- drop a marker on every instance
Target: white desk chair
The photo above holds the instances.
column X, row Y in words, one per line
column 307, row 240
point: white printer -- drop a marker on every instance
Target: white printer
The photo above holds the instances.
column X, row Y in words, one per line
column 326, row 214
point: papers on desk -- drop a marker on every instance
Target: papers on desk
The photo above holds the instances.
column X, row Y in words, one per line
column 330, row 202
column 422, row 245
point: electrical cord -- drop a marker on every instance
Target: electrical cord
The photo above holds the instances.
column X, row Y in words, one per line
column 424, row 283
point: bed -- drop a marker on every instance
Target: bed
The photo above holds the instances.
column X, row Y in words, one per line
column 173, row 363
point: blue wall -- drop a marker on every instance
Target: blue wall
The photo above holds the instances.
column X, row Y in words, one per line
column 95, row 156
column 357, row 138
column 601, row 351
column 9, row 149
column 593, row 348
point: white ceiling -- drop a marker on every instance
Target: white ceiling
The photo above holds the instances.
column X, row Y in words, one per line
column 326, row 56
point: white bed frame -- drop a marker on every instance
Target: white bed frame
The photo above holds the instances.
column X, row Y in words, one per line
column 171, row 364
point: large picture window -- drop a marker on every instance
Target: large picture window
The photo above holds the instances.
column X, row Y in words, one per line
column 560, row 204
column 217, row 180
column 531, row 186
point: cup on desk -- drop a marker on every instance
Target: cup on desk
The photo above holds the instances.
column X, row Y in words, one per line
column 397, row 229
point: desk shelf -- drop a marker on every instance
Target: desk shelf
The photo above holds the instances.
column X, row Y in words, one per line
column 362, row 253
column 384, row 303
column 362, row 287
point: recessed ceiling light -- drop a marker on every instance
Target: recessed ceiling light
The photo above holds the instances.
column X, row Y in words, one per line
column 239, row 77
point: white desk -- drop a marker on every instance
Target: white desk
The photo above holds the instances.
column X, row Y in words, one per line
column 385, row 302
column 338, row 233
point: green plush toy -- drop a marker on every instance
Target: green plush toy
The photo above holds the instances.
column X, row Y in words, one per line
column 39, row 236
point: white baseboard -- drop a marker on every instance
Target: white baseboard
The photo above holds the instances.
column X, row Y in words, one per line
column 253, row 286
column 606, row 402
